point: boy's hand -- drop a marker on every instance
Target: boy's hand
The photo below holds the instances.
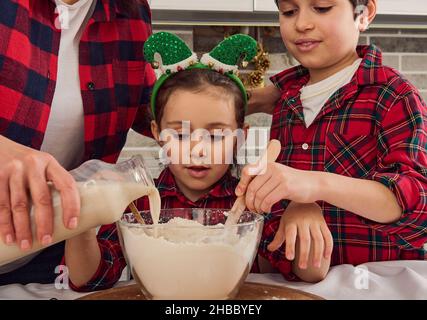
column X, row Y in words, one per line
column 277, row 183
column 304, row 223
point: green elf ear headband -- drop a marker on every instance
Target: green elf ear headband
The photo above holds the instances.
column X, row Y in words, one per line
column 175, row 56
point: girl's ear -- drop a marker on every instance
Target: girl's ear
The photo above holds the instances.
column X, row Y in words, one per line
column 155, row 130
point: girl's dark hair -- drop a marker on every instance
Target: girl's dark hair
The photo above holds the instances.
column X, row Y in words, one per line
column 200, row 80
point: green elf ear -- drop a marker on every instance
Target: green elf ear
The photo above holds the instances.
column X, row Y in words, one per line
column 227, row 55
column 173, row 52
column 173, row 55
column 168, row 53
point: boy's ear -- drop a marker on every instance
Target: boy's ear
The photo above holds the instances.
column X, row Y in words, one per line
column 367, row 15
column 155, row 130
column 372, row 10
column 363, row 24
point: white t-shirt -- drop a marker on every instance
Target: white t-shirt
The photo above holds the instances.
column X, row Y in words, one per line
column 64, row 136
column 313, row 97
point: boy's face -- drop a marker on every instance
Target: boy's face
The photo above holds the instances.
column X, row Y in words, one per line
column 200, row 155
column 319, row 33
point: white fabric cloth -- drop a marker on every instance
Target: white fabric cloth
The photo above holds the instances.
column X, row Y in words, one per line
column 390, row 280
column 64, row 137
column 313, row 97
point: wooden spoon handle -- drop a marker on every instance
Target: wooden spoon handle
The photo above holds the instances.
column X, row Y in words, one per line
column 136, row 213
column 239, row 204
column 272, row 152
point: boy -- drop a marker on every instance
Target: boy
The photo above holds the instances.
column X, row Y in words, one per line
column 354, row 140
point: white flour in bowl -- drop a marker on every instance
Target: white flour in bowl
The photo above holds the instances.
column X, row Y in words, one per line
column 190, row 261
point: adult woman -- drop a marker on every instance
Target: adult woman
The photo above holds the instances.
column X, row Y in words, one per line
column 72, row 83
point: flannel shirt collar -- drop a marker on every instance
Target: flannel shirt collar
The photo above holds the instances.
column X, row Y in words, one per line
column 167, row 187
column 371, row 71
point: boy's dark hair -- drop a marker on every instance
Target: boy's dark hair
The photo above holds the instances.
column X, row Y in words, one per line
column 199, row 80
column 355, row 4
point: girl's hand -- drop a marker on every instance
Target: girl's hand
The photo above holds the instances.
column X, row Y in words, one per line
column 277, row 183
column 305, row 232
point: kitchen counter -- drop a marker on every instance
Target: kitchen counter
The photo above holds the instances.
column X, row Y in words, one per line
column 375, row 280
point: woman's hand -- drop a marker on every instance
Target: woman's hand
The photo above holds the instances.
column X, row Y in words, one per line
column 24, row 174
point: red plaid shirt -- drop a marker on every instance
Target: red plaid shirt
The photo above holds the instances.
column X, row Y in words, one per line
column 372, row 128
column 221, row 196
column 115, row 80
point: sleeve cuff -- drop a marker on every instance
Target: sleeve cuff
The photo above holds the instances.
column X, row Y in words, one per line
column 411, row 229
column 91, row 284
column 405, row 188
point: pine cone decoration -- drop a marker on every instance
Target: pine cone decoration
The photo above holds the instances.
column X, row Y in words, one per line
column 262, row 62
column 256, row 79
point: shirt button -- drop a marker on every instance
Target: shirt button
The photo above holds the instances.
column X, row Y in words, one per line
column 91, row 86
column 292, row 100
column 305, row 146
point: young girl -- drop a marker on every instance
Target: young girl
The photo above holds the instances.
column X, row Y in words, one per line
column 354, row 137
column 207, row 100
column 189, row 98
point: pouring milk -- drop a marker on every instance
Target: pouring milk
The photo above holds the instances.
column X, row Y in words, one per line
column 105, row 192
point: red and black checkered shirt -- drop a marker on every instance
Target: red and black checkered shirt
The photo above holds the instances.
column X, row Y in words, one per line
column 372, row 128
column 221, row 196
column 115, row 80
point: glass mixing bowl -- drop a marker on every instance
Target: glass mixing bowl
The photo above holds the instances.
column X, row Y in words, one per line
column 190, row 254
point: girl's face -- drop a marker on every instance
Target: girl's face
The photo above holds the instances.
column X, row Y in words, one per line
column 200, row 151
column 321, row 34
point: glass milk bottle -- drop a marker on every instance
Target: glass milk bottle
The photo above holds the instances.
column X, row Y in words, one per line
column 105, row 192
